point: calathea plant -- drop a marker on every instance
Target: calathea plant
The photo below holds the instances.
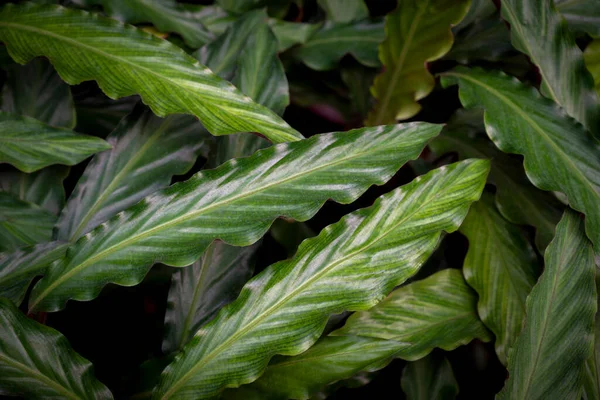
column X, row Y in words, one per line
column 165, row 229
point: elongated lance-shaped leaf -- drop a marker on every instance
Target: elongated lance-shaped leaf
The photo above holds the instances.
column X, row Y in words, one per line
column 326, row 47
column 429, row 378
column 147, row 151
column 345, row 11
column 166, row 15
column 167, row 79
column 592, row 61
column 438, row 311
column 559, row 154
column 350, row 265
column 548, row 359
column 23, row 223
column 236, row 202
column 20, row 266
column 37, row 362
column 502, row 268
column 36, row 90
column 539, row 31
column 197, row 292
column 29, row 144
column 591, row 377
column 417, row 32
column 44, row 187
column 582, row 15
column 516, row 198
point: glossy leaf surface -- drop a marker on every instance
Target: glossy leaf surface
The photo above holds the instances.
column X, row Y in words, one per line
column 167, row 79
column 557, row 338
column 345, row 11
column 350, row 265
column 174, row 226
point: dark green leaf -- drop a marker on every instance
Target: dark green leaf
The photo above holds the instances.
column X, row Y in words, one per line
column 591, row 379
column 291, row 33
column 592, row 61
column 37, row 362
column 98, row 115
column 290, row 234
column 582, row 15
column 344, row 11
column 351, row 266
column 557, row 339
column 429, row 378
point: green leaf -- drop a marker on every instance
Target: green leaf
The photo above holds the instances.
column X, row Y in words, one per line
column 559, row 154
column 581, row 15
column 30, row 145
column 23, row 223
column 203, row 288
column 36, row 90
column 147, row 151
column 592, row 61
column 241, row 6
column 591, row 379
column 538, row 30
column 417, row 32
column 548, row 359
column 429, row 378
column 236, row 202
column 439, row 311
column 167, row 79
column 166, row 15
column 359, row 79
column 98, row 115
column 344, row 11
column 326, row 47
column 19, row 267
column 44, row 188
column 290, row 234
column 502, row 268
column 289, row 34
column 37, row 362
column 350, row 265
column 516, row 198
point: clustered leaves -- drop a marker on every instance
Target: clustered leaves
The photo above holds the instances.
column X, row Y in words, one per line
column 203, row 180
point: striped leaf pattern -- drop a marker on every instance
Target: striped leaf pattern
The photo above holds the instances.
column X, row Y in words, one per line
column 549, row 356
column 236, row 202
column 559, row 154
column 350, row 265
column 167, row 79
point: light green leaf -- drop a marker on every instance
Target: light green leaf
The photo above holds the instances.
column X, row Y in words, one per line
column 591, row 378
column 538, row 30
column 23, row 223
column 37, row 362
column 439, row 311
column 167, row 79
column 516, row 198
column 350, row 265
column 502, row 268
column 429, row 378
column 200, row 290
column 175, row 225
column 19, row 267
column 582, row 15
column 44, row 188
column 29, row 144
column 548, row 359
column 417, row 32
column 326, row 47
column 559, row 154
column 592, row 61
column 289, row 34
column 344, row 11
column 165, row 15
column 36, row 90
column 147, row 151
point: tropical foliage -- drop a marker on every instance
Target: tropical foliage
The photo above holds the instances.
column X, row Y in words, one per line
column 299, row 199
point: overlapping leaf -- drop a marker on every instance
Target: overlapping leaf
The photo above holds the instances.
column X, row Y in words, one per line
column 516, row 198
column 291, row 33
column 439, row 311
column 502, row 268
column 324, row 49
column 345, row 11
column 591, row 379
column 350, row 265
column 125, row 60
column 23, row 223
column 538, row 30
column 592, row 61
column 417, row 32
column 559, row 154
column 582, row 15
column 147, row 151
column 235, row 202
column 198, row 291
column 36, row 90
column 29, row 144
column 429, row 378
column 37, row 362
column 557, row 339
